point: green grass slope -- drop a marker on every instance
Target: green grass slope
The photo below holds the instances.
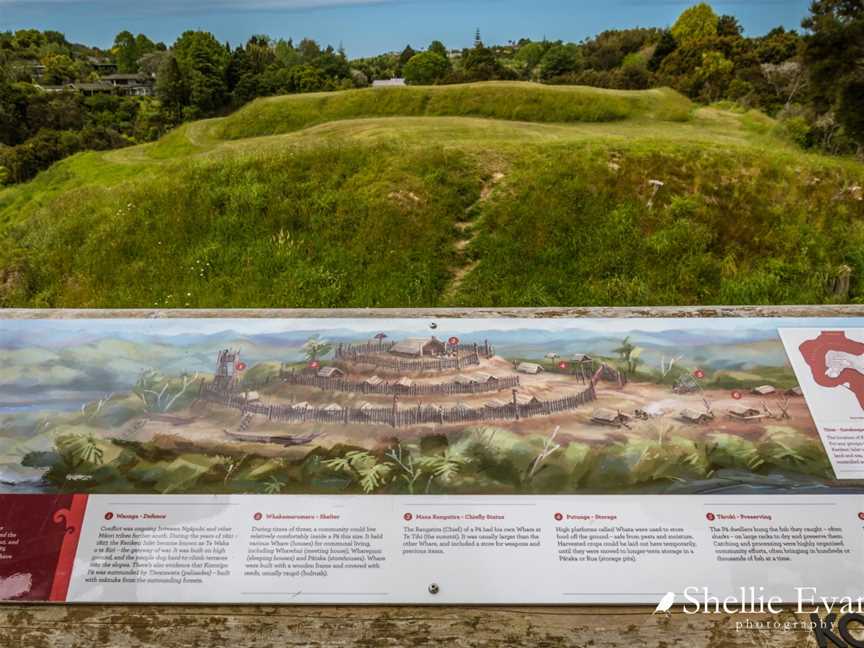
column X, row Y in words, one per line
column 490, row 194
column 499, row 100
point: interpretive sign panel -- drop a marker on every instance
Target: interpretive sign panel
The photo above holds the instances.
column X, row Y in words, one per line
column 448, row 461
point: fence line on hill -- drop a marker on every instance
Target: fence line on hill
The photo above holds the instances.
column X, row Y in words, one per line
column 433, row 363
column 387, row 388
column 380, row 346
column 396, row 416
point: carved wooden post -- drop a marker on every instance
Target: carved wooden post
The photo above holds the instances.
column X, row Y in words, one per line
column 395, row 410
column 515, row 405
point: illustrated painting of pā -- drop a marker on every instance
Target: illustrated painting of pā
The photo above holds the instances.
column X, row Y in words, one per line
column 402, row 406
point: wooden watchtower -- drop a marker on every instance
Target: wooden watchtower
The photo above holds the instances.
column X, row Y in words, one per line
column 225, row 379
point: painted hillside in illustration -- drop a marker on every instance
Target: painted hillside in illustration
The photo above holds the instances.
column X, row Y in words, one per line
column 405, row 406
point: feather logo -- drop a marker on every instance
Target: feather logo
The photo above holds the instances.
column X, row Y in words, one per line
column 665, row 603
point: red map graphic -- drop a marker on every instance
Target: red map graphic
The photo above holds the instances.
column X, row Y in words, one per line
column 814, row 352
column 39, row 534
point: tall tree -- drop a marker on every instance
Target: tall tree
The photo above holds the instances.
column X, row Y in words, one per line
column 729, row 26
column 559, row 61
column 125, row 52
column 664, row 48
column 695, row 24
column 426, row 68
column 834, row 52
column 406, row 55
column 437, row 47
column 170, row 87
column 203, row 61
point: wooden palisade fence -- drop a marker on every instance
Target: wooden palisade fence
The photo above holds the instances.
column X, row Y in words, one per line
column 396, row 416
column 387, row 388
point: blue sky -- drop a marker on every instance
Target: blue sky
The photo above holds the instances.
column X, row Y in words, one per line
column 368, row 27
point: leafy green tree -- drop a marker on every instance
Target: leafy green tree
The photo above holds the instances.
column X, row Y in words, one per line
column 665, row 47
column 59, row 69
column 634, row 72
column 306, row 78
column 530, row 54
column 695, row 24
column 309, row 50
column 850, row 108
column 406, row 55
column 170, row 87
column 143, row 46
column 480, row 64
column 833, row 53
column 426, row 68
column 777, row 46
column 125, row 52
column 559, row 61
column 150, row 63
column 437, row 47
column 202, row 61
column 714, row 74
column 729, row 26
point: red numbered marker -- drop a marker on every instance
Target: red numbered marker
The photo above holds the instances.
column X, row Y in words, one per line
column 562, row 365
column 314, row 364
column 240, row 366
column 737, row 395
column 699, row 374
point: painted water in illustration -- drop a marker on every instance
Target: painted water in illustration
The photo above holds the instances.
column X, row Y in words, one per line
column 405, row 406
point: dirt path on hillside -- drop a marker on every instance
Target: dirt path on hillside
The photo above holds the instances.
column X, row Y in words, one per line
column 468, row 230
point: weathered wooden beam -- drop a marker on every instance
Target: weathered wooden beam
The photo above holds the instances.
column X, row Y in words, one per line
column 839, row 310
column 150, row 626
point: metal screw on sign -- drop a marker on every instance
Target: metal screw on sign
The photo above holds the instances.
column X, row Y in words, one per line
column 434, row 589
column 433, row 326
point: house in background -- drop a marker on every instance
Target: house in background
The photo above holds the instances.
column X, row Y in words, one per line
column 331, row 372
column 91, row 89
column 101, row 65
column 388, row 83
column 131, row 85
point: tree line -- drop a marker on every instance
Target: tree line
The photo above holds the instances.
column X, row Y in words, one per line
column 811, row 81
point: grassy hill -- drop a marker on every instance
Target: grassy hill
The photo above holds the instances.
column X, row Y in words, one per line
column 485, row 194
